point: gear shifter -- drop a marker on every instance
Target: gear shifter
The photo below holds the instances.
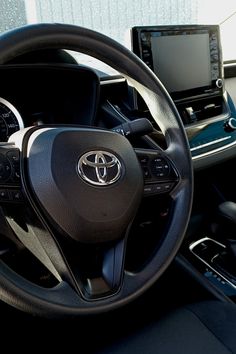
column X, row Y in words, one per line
column 224, row 262
column 218, row 251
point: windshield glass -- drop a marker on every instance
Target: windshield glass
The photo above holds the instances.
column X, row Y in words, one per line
column 115, row 18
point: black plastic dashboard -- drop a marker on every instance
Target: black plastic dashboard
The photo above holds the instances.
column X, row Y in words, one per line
column 211, row 142
column 70, row 93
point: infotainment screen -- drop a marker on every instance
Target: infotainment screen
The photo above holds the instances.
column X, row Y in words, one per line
column 187, row 59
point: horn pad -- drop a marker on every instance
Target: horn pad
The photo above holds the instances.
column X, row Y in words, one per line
column 87, row 181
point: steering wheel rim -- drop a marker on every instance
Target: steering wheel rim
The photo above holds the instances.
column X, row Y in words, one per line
column 62, row 300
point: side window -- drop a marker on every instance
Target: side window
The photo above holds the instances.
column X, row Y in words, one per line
column 228, row 30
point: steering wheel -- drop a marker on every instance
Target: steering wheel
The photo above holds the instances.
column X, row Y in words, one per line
column 85, row 185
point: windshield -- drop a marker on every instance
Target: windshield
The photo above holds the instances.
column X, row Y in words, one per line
column 115, row 18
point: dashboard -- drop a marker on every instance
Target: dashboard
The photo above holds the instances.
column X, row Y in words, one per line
column 32, row 95
column 188, row 60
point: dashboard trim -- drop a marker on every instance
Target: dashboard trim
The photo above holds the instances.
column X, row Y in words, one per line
column 112, row 81
column 210, row 143
column 212, row 152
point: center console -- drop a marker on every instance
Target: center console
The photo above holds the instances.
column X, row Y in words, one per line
column 188, row 61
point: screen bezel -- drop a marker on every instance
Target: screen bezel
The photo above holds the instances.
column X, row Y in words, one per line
column 138, row 47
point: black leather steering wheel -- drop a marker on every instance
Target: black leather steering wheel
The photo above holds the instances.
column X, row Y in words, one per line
column 76, row 213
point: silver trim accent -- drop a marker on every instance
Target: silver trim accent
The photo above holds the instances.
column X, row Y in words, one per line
column 219, row 83
column 230, row 124
column 210, row 143
column 101, row 165
column 112, row 81
column 14, row 111
column 225, row 147
column 194, row 244
column 229, row 65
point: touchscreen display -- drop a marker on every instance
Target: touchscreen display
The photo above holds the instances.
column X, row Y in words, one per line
column 182, row 62
column 187, row 59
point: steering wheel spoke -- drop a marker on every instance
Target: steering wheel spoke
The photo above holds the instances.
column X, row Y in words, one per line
column 92, row 271
column 40, row 241
column 98, row 269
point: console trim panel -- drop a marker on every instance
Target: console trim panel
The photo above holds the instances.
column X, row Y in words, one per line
column 196, row 243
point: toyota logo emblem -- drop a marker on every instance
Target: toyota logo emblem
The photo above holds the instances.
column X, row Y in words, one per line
column 100, row 168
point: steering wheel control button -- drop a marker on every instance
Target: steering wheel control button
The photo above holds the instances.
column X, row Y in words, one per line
column 160, row 167
column 14, row 155
column 16, row 175
column 5, row 169
column 158, row 188
column 157, row 170
column 146, row 173
column 167, row 186
column 143, row 159
column 11, row 196
column 153, row 189
column 9, row 166
column 10, row 175
column 100, row 168
column 148, row 189
column 16, row 196
column 4, row 195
